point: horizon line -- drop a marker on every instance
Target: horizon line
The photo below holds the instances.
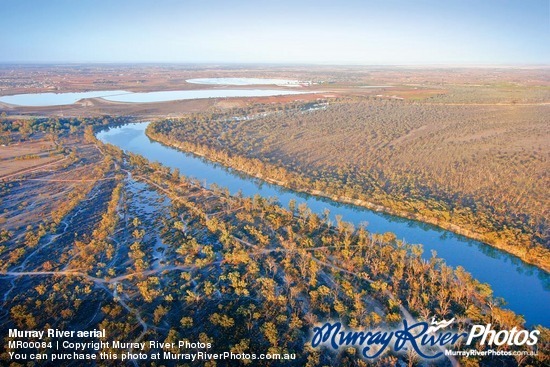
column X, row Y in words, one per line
column 232, row 63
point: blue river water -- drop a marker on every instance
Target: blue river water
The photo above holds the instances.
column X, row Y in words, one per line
column 525, row 288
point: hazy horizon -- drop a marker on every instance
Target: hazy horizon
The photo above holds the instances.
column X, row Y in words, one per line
column 348, row 33
column 265, row 64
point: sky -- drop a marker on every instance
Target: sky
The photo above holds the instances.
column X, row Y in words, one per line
column 362, row 32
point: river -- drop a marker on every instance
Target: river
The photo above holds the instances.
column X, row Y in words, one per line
column 525, row 288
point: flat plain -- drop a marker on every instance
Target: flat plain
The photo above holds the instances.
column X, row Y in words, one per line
column 92, row 237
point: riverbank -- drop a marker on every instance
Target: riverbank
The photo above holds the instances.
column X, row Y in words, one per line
column 536, row 255
column 501, row 274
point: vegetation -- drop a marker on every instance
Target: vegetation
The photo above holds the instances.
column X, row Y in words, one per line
column 158, row 257
column 17, row 129
column 93, row 238
column 478, row 170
